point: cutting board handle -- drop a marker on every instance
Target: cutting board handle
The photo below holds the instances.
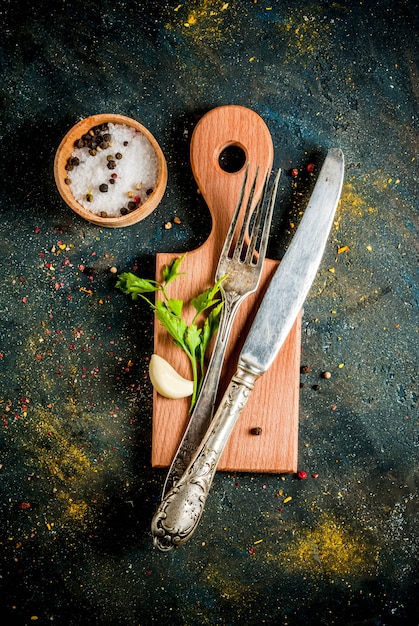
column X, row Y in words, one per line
column 223, row 128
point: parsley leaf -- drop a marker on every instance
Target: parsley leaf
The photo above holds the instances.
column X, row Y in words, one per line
column 194, row 338
column 170, row 272
column 131, row 284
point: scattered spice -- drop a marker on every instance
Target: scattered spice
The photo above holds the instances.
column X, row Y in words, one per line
column 294, row 172
column 326, row 375
column 256, row 431
column 305, row 369
column 302, row 475
column 343, row 249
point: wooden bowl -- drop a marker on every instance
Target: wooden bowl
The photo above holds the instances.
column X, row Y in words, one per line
column 65, row 150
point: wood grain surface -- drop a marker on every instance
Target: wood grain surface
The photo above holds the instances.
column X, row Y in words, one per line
column 273, row 406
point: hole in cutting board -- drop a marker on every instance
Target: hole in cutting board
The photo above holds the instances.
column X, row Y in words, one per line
column 232, row 158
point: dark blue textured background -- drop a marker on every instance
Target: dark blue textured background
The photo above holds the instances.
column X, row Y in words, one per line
column 77, row 489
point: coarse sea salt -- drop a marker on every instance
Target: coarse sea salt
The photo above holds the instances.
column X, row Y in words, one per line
column 134, row 174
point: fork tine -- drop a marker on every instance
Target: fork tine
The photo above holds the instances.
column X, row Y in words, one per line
column 230, row 233
column 255, row 234
column 245, row 222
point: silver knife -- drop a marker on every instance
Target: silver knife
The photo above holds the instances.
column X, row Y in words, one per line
column 178, row 514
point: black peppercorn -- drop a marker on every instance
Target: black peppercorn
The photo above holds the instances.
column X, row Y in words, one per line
column 123, row 211
column 111, row 165
column 256, row 431
column 103, row 187
column 118, row 156
column 132, row 205
column 305, row 369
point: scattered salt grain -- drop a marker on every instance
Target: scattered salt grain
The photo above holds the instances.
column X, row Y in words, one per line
column 134, row 161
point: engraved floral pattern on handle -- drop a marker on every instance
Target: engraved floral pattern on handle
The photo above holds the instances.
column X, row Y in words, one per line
column 204, row 407
column 179, row 513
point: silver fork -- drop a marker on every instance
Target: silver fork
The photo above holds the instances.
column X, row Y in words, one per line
column 242, row 264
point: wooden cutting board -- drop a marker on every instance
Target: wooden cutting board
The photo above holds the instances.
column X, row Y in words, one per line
column 273, row 405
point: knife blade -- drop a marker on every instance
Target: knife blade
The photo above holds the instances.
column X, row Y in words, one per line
column 293, row 278
column 178, row 515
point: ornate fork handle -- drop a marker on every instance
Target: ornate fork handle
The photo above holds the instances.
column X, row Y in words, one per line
column 204, row 407
column 179, row 512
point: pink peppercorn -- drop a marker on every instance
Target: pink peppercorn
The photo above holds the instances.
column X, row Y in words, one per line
column 302, row 475
column 310, row 168
column 24, row 505
column 294, row 172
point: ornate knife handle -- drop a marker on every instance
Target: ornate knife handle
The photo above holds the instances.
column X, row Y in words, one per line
column 179, row 513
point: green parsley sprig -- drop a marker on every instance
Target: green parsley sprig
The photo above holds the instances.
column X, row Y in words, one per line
column 192, row 338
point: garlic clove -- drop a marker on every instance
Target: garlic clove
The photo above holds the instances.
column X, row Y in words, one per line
column 166, row 380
